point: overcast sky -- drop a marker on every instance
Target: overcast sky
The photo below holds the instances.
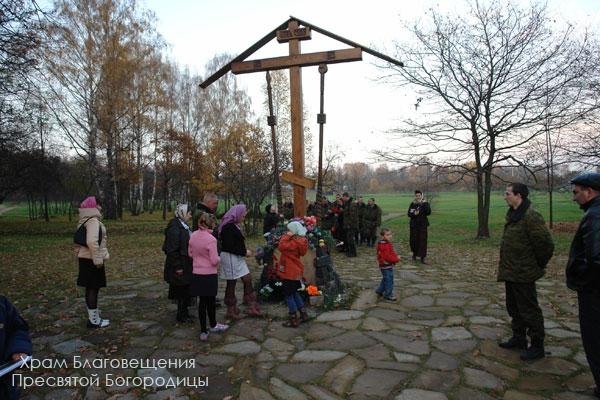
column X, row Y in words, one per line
column 359, row 110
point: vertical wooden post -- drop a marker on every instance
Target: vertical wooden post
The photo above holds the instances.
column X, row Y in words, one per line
column 297, row 125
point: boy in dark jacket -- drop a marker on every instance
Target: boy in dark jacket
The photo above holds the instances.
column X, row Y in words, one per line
column 387, row 258
column 14, row 344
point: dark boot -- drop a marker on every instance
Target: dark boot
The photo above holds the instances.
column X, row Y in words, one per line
column 293, row 322
column 252, row 308
column 232, row 310
column 535, row 351
column 304, row 316
column 185, row 318
column 515, row 342
column 182, row 312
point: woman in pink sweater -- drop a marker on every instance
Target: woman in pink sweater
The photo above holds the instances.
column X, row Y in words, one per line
column 203, row 251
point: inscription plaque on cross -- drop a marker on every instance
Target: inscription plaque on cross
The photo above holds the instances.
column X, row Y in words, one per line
column 292, row 33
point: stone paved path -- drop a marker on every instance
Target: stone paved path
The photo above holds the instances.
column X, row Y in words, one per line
column 437, row 342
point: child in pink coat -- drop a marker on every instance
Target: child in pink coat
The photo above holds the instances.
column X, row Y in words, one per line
column 202, row 248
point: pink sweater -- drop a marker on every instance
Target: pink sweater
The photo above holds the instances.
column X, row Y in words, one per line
column 203, row 250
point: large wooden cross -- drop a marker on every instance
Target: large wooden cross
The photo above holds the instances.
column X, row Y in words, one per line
column 293, row 35
column 290, row 32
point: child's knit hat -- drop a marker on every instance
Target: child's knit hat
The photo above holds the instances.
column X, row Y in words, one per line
column 89, row 202
column 296, row 228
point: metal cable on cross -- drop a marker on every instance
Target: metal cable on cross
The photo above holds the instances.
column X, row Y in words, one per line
column 272, row 121
column 321, row 119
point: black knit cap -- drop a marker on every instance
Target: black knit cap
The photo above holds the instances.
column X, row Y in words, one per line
column 590, row 180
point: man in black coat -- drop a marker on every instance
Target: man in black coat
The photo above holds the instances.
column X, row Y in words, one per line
column 209, row 204
column 272, row 218
column 583, row 268
column 417, row 212
column 288, row 209
column 14, row 344
column 359, row 236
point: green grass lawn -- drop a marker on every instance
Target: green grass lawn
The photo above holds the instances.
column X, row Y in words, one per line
column 454, row 216
column 37, row 261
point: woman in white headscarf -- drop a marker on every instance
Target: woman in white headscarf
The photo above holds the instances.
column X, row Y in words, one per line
column 178, row 265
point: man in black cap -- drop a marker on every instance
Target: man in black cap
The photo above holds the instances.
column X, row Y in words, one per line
column 583, row 268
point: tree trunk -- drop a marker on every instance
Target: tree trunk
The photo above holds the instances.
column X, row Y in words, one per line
column 110, row 201
column 154, row 175
column 165, row 191
column 484, row 186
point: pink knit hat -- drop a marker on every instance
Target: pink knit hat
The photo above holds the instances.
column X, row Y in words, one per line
column 89, row 202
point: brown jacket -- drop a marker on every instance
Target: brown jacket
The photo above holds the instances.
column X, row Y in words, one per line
column 97, row 253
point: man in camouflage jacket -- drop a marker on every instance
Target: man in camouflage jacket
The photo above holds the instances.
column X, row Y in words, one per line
column 359, row 237
column 371, row 220
column 350, row 222
column 525, row 250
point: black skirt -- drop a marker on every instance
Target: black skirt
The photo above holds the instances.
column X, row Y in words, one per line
column 90, row 275
column 204, row 285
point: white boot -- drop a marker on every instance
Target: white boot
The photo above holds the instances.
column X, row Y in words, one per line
column 107, row 320
column 95, row 321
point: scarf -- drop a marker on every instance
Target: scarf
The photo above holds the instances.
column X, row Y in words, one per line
column 180, row 213
column 234, row 215
column 513, row 215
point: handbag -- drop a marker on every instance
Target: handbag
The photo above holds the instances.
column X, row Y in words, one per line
column 80, row 236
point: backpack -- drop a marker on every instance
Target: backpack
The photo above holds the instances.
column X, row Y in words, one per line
column 80, row 236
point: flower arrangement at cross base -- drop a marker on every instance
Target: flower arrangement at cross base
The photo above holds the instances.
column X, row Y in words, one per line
column 270, row 285
column 317, row 237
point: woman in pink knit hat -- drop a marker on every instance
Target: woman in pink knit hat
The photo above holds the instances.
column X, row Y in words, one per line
column 91, row 257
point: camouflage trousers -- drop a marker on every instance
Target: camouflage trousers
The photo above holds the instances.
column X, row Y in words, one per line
column 522, row 306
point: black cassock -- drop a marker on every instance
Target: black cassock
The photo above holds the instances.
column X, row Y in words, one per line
column 418, row 228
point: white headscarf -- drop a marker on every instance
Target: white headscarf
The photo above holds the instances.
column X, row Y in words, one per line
column 296, row 228
column 180, row 213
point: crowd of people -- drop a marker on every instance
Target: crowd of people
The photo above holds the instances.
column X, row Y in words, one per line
column 352, row 222
column 197, row 256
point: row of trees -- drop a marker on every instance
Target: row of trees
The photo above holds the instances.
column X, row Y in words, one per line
column 494, row 83
column 358, row 178
column 90, row 104
column 92, row 94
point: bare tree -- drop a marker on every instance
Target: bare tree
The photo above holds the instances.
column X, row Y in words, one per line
column 94, row 52
column 488, row 80
column 358, row 175
column 583, row 144
column 19, row 38
column 20, row 32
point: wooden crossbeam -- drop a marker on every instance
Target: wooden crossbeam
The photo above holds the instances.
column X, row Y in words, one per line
column 298, row 60
column 298, row 180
